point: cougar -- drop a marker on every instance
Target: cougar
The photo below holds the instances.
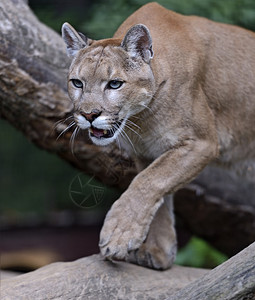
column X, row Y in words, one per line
column 177, row 93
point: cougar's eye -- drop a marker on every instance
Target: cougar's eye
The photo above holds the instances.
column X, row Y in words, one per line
column 77, row 83
column 114, row 84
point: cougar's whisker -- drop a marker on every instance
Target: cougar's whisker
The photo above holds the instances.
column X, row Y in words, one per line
column 65, row 130
column 132, row 123
column 130, row 128
column 126, row 137
column 74, row 134
column 62, row 121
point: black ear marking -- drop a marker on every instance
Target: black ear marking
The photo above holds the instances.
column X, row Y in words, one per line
column 83, row 36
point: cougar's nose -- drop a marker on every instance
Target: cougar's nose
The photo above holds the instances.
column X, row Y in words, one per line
column 91, row 116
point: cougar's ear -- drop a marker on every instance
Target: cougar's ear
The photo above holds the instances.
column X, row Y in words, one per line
column 74, row 40
column 138, row 42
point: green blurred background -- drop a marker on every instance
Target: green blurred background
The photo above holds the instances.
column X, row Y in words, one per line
column 34, row 182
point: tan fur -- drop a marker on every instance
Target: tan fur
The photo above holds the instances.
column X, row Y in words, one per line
column 191, row 103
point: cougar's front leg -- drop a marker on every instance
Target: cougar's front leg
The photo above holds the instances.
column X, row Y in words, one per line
column 128, row 222
column 159, row 249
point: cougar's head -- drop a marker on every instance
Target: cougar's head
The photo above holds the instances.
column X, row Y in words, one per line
column 109, row 80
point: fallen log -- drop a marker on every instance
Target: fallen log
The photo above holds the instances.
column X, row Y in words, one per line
column 94, row 278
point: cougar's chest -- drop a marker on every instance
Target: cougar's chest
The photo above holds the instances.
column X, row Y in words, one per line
column 148, row 143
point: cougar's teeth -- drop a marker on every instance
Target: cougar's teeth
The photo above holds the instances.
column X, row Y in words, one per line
column 105, row 131
column 90, row 130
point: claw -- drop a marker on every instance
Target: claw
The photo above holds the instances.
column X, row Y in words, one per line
column 103, row 242
column 134, row 244
column 107, row 252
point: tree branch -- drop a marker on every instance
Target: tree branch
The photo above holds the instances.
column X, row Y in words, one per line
column 233, row 280
column 93, row 278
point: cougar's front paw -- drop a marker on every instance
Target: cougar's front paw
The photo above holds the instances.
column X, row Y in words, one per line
column 122, row 232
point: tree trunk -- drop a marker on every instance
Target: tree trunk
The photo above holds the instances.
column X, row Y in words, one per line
column 92, row 278
column 95, row 279
column 33, row 70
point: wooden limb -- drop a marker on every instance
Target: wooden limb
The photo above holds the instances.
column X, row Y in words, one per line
column 93, row 278
column 233, row 280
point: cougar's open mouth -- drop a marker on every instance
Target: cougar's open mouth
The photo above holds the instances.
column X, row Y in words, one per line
column 104, row 133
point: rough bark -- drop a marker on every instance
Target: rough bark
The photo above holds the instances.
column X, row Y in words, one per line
column 93, row 278
column 233, row 280
column 33, row 98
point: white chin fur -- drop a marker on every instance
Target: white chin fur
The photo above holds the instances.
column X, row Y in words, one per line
column 102, row 141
